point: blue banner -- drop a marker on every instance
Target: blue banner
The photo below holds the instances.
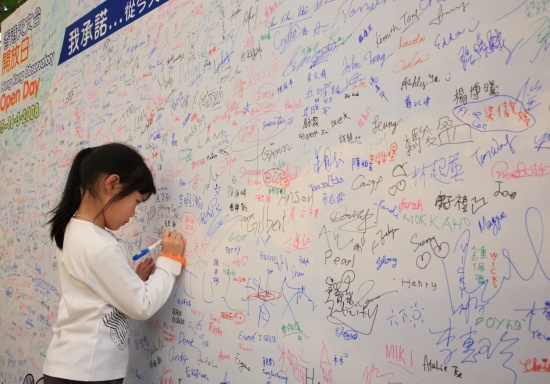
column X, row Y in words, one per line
column 101, row 22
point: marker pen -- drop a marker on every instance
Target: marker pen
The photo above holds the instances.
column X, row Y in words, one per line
column 146, row 250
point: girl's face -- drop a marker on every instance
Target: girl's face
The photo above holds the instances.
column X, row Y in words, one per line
column 119, row 212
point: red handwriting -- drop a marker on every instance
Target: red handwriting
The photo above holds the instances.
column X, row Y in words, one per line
column 188, row 223
column 401, row 65
column 297, row 243
column 266, row 295
column 501, row 170
column 236, row 317
column 372, row 373
column 534, row 366
column 276, row 178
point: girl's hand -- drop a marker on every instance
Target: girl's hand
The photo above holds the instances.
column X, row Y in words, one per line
column 145, row 268
column 172, row 242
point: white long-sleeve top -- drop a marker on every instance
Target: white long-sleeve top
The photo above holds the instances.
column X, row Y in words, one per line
column 100, row 292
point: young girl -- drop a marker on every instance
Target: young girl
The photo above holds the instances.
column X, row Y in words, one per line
column 100, row 292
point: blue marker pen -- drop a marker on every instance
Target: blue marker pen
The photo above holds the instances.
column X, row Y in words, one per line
column 146, row 250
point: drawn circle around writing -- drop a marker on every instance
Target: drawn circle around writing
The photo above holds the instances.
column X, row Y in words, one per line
column 188, row 223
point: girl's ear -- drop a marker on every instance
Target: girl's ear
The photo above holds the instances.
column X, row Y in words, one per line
column 111, row 183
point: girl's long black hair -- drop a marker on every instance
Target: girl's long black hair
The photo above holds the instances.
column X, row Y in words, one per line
column 89, row 165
